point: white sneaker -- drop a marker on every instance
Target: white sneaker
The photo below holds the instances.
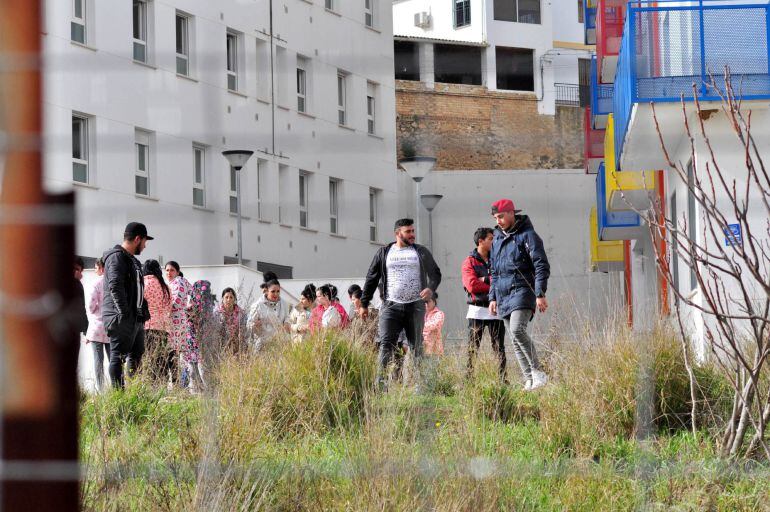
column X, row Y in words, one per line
column 528, row 385
column 539, row 379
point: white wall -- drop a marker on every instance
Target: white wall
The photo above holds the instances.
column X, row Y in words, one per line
column 104, row 82
column 442, row 20
column 731, row 160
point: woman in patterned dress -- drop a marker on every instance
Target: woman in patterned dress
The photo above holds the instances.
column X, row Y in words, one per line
column 231, row 322
column 200, row 312
column 158, row 297
column 180, row 293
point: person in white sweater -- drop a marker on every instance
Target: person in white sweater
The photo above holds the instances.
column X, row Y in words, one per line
column 268, row 316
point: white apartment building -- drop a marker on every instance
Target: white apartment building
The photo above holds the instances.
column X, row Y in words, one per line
column 142, row 96
column 523, row 46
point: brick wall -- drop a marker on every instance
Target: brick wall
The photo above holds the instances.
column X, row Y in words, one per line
column 469, row 127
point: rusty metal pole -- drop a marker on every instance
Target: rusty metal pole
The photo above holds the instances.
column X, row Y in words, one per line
column 39, row 465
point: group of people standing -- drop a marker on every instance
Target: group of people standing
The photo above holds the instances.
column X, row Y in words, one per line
column 133, row 307
column 505, row 278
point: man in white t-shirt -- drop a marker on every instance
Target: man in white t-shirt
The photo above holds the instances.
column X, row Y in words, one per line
column 406, row 275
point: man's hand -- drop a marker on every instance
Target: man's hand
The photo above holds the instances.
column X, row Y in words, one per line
column 257, row 323
column 493, row 308
column 542, row 304
column 426, row 294
column 363, row 312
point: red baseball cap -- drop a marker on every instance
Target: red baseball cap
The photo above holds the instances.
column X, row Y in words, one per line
column 504, row 205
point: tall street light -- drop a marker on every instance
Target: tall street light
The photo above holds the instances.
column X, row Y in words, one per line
column 417, row 167
column 237, row 159
column 429, row 201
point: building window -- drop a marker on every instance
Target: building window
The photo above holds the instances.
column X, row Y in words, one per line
column 692, row 220
column 140, row 30
column 373, row 214
column 304, row 181
column 301, row 84
column 142, row 175
column 260, row 183
column 342, row 98
column 521, row 11
column 371, row 108
column 199, row 175
column 233, row 190
column 232, row 61
column 263, row 69
column 80, row 152
column 515, row 69
column 78, row 23
column 182, row 44
column 334, row 206
column 329, row 4
column 462, row 13
column 581, row 11
column 457, row 64
column 407, row 60
column 369, row 13
column 283, row 193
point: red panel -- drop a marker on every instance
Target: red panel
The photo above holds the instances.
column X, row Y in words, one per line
column 610, row 16
column 594, row 139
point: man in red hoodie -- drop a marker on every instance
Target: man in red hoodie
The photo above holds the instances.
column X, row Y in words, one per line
column 476, row 272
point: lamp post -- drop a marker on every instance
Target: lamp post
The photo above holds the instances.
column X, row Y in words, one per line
column 237, row 159
column 417, row 167
column 429, row 201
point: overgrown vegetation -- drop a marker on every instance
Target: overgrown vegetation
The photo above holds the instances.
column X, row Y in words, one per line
column 299, row 427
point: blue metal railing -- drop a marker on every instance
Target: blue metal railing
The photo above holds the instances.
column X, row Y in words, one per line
column 589, row 16
column 601, row 95
column 670, row 50
column 623, row 220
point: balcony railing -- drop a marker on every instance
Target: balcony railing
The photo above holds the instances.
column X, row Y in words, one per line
column 601, row 99
column 567, row 95
column 593, row 150
column 610, row 15
column 589, row 21
column 625, row 190
column 669, row 48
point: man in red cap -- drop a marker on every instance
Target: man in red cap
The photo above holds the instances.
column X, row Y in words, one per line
column 520, row 273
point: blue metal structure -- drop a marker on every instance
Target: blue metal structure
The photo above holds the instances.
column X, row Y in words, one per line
column 625, row 225
column 671, row 49
column 601, row 97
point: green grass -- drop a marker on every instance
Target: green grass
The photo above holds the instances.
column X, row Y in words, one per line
column 300, row 428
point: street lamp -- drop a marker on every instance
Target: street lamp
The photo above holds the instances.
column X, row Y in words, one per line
column 237, row 159
column 417, row 167
column 429, row 201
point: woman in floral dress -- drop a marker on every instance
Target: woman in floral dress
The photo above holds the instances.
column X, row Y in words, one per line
column 199, row 315
column 180, row 293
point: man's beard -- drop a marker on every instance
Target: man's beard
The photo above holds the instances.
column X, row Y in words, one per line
column 405, row 240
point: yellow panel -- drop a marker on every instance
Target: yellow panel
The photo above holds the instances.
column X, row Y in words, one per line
column 591, row 3
column 634, row 184
column 602, row 252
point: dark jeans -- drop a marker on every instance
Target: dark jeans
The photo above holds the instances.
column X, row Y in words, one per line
column 126, row 344
column 496, row 330
column 394, row 318
column 101, row 352
column 161, row 356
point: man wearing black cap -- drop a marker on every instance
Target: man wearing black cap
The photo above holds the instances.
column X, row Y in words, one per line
column 124, row 310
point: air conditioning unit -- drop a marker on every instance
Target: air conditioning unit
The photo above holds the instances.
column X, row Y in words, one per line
column 422, row 19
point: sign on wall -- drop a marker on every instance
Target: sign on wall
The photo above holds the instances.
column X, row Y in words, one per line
column 733, row 235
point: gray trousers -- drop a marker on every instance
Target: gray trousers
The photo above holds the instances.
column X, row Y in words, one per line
column 394, row 318
column 101, row 352
column 523, row 346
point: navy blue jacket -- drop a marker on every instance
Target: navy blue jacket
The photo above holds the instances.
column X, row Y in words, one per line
column 520, row 268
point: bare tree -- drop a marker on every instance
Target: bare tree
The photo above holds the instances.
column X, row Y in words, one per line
column 732, row 271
